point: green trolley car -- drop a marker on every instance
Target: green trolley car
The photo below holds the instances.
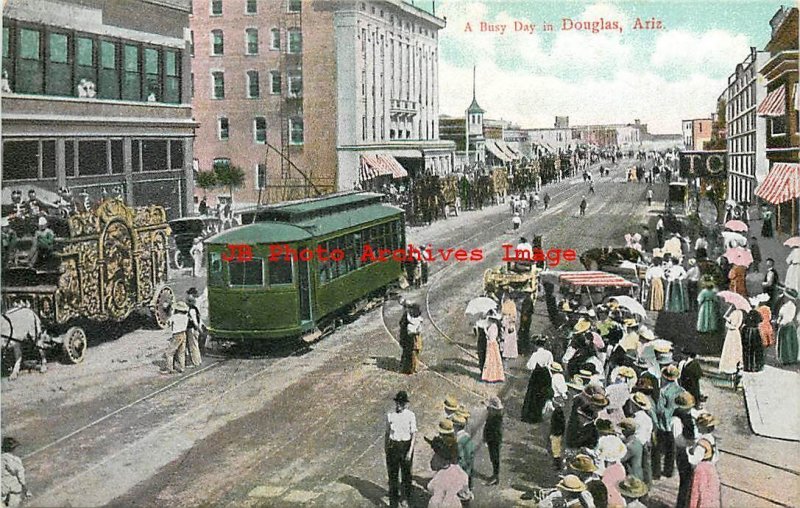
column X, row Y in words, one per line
column 272, row 293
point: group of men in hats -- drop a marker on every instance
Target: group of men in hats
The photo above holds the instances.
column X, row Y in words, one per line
column 187, row 333
column 635, row 413
column 453, row 461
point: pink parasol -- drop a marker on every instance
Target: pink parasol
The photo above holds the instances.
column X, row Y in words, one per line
column 736, row 225
column 735, row 299
column 792, row 242
column 739, row 256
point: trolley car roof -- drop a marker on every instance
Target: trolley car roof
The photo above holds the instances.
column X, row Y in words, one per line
column 261, row 232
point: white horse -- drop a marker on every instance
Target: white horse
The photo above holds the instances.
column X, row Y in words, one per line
column 17, row 326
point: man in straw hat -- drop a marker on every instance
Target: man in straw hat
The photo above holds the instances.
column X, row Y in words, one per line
column 586, row 470
column 570, row 491
column 634, row 449
column 611, row 450
column 176, row 350
column 399, row 438
column 632, row 489
column 450, row 407
column 644, row 417
column 444, row 446
column 581, row 429
column 684, row 434
column 706, row 423
column 493, row 435
column 665, row 407
column 691, row 373
column 466, row 447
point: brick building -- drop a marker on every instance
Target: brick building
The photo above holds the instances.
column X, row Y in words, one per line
column 696, row 132
column 309, row 94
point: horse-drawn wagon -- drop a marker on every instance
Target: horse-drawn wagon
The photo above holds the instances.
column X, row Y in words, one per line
column 98, row 264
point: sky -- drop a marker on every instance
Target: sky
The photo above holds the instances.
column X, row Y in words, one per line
column 659, row 76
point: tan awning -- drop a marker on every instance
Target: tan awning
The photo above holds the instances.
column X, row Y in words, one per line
column 774, row 104
column 373, row 165
column 496, row 151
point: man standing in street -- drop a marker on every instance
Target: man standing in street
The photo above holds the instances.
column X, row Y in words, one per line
column 665, row 407
column 176, row 350
column 660, row 231
column 194, row 329
column 583, row 206
column 493, row 435
column 401, row 432
column 650, row 197
column 546, row 200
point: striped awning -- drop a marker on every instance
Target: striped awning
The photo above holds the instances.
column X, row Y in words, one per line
column 781, row 184
column 596, row 279
column 774, row 104
column 373, row 165
column 496, row 151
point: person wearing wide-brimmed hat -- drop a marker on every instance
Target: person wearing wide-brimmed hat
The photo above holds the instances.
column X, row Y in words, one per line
column 493, row 435
column 466, row 447
column 540, row 383
column 558, row 425
column 14, row 486
column 665, row 407
column 634, row 449
column 176, row 350
column 633, row 488
column 708, row 307
column 570, row 491
column 644, row 416
column 399, row 438
column 787, row 329
column 684, row 433
column 706, row 423
column 611, row 450
column 586, row 470
column 581, row 429
column 705, row 489
column 450, row 405
column 444, row 445
column 580, row 347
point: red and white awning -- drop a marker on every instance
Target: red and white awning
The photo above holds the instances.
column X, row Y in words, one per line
column 373, row 165
column 596, row 279
column 774, row 104
column 781, row 184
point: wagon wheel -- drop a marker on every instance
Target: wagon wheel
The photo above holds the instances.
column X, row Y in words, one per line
column 74, row 345
column 161, row 306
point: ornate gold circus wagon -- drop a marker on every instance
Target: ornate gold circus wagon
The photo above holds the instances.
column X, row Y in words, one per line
column 96, row 265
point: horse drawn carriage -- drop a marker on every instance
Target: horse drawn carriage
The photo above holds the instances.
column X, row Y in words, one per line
column 98, row 264
column 512, row 280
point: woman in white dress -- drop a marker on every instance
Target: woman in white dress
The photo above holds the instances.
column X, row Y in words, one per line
column 732, row 353
column 655, row 280
column 509, row 312
column 793, row 270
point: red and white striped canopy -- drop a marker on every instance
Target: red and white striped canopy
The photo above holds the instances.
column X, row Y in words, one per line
column 774, row 104
column 596, row 279
column 781, row 184
column 373, row 165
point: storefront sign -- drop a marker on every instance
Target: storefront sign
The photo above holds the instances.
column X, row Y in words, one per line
column 704, row 164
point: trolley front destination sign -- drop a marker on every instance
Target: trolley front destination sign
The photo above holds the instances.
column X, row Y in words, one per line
column 704, row 164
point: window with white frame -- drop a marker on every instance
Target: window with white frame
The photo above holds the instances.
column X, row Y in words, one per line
column 261, row 176
column 251, row 7
column 216, row 7
column 260, row 130
column 251, row 36
column 217, row 43
column 223, row 128
column 777, row 126
column 253, row 88
column 296, row 131
column 218, row 85
column 275, row 39
column 295, row 44
column 295, row 84
column 275, row 82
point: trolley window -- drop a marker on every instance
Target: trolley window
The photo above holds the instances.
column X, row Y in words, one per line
column 246, row 273
column 215, row 269
column 280, row 272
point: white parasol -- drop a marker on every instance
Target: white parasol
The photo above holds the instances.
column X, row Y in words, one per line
column 478, row 307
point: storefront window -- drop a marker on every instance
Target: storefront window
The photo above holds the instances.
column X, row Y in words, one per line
column 154, row 155
column 92, row 157
column 59, row 71
column 21, row 160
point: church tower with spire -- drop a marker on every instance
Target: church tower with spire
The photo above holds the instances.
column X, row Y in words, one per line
column 475, row 142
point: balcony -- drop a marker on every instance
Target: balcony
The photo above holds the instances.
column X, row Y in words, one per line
column 405, row 107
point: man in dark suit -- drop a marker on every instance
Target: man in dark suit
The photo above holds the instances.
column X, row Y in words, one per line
column 770, row 283
column 691, row 374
